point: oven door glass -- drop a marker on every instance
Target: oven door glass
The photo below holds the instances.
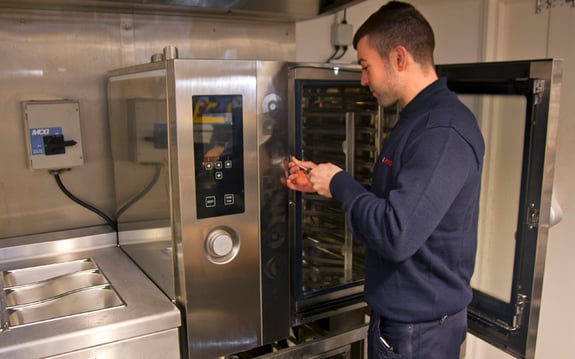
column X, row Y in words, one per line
column 337, row 122
column 515, row 105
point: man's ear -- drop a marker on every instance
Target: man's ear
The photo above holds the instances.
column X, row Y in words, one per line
column 399, row 58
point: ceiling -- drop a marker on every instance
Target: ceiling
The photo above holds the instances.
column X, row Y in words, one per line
column 287, row 10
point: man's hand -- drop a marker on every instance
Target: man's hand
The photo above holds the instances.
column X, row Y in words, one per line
column 297, row 175
column 306, row 176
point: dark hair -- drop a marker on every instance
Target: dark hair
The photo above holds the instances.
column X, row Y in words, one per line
column 399, row 24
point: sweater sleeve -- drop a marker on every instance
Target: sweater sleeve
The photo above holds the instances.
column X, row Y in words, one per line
column 434, row 168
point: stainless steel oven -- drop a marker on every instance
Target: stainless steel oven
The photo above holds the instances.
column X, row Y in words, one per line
column 199, row 149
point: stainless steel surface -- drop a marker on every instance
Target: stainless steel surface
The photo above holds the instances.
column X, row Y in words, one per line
column 66, row 55
column 55, row 290
column 146, row 309
column 234, row 324
column 162, row 344
column 93, row 299
column 37, row 275
column 46, row 244
column 272, row 141
column 170, row 53
column 152, row 250
column 323, row 346
column 550, row 71
column 284, row 10
column 20, row 288
column 216, row 256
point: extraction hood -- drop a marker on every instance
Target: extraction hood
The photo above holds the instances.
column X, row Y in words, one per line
column 288, row 10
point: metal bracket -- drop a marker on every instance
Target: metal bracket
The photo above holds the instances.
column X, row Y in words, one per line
column 532, row 216
column 520, row 304
column 539, row 4
column 4, row 320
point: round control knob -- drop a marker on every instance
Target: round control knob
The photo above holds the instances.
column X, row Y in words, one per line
column 220, row 243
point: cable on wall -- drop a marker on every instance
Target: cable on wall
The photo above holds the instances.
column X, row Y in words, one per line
column 56, row 174
column 143, row 192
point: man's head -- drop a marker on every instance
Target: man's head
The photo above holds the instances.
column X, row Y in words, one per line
column 395, row 50
column 399, row 24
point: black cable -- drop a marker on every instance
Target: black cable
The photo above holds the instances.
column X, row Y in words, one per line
column 342, row 54
column 333, row 56
column 56, row 174
column 142, row 193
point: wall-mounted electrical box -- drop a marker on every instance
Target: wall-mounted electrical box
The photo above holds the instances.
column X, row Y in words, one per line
column 341, row 34
column 53, row 136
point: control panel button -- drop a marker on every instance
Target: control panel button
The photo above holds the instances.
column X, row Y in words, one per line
column 210, row 201
column 219, row 175
column 229, row 199
column 228, row 164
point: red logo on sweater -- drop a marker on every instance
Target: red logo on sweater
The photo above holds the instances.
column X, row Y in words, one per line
column 386, row 161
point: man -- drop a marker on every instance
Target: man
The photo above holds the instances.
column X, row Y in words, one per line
column 418, row 220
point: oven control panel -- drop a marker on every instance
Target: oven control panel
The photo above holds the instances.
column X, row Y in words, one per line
column 218, row 153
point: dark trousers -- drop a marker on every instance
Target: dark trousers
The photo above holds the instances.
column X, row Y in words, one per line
column 438, row 339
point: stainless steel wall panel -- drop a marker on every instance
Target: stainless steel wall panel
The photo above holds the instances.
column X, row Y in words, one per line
column 201, row 37
column 53, row 54
column 47, row 56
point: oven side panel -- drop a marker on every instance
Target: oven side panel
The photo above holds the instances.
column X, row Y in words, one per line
column 272, row 128
column 215, row 203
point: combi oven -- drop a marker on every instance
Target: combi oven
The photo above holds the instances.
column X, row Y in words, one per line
column 200, row 148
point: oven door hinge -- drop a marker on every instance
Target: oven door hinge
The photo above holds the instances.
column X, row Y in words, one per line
column 520, row 304
column 538, row 89
column 532, row 216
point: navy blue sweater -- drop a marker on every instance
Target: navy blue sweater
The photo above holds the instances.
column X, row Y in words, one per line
column 418, row 220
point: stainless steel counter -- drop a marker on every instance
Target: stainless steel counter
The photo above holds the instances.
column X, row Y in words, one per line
column 147, row 322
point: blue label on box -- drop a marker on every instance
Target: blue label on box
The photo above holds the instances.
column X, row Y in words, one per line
column 37, row 138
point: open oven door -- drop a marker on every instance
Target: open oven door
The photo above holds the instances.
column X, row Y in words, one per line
column 517, row 106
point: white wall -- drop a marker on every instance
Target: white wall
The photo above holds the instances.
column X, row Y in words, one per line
column 499, row 30
column 457, row 34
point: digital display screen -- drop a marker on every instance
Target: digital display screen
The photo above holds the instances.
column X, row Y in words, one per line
column 215, row 109
column 218, row 151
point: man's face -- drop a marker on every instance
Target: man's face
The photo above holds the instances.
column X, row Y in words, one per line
column 377, row 73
